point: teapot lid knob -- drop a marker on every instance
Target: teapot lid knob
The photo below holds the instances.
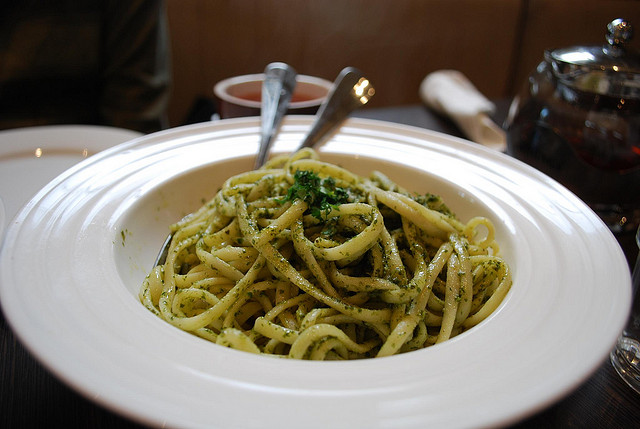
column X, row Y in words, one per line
column 619, row 32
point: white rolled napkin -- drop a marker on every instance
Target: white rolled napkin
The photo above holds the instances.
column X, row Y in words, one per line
column 450, row 93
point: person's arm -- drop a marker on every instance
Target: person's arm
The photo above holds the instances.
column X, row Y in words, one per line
column 136, row 69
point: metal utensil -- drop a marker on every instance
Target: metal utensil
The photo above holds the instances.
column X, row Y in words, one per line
column 277, row 89
column 350, row 90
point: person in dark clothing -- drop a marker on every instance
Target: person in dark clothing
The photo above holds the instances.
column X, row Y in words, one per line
column 102, row 62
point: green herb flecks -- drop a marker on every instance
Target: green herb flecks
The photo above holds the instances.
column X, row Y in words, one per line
column 322, row 195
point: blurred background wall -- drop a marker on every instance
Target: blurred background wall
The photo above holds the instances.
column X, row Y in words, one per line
column 495, row 43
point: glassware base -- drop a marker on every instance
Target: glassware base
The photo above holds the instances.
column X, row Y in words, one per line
column 618, row 219
column 625, row 358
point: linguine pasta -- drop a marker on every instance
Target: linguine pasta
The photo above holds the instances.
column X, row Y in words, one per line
column 304, row 259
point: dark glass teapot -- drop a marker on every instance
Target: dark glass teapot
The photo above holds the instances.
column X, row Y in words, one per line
column 578, row 120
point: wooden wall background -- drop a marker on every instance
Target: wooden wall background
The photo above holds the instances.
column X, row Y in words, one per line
column 496, row 43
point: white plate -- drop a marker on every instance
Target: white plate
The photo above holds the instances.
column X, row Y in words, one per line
column 31, row 157
column 77, row 253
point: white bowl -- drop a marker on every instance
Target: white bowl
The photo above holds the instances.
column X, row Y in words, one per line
column 240, row 95
column 76, row 254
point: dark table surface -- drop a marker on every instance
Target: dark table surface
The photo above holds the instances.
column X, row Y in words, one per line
column 30, row 396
